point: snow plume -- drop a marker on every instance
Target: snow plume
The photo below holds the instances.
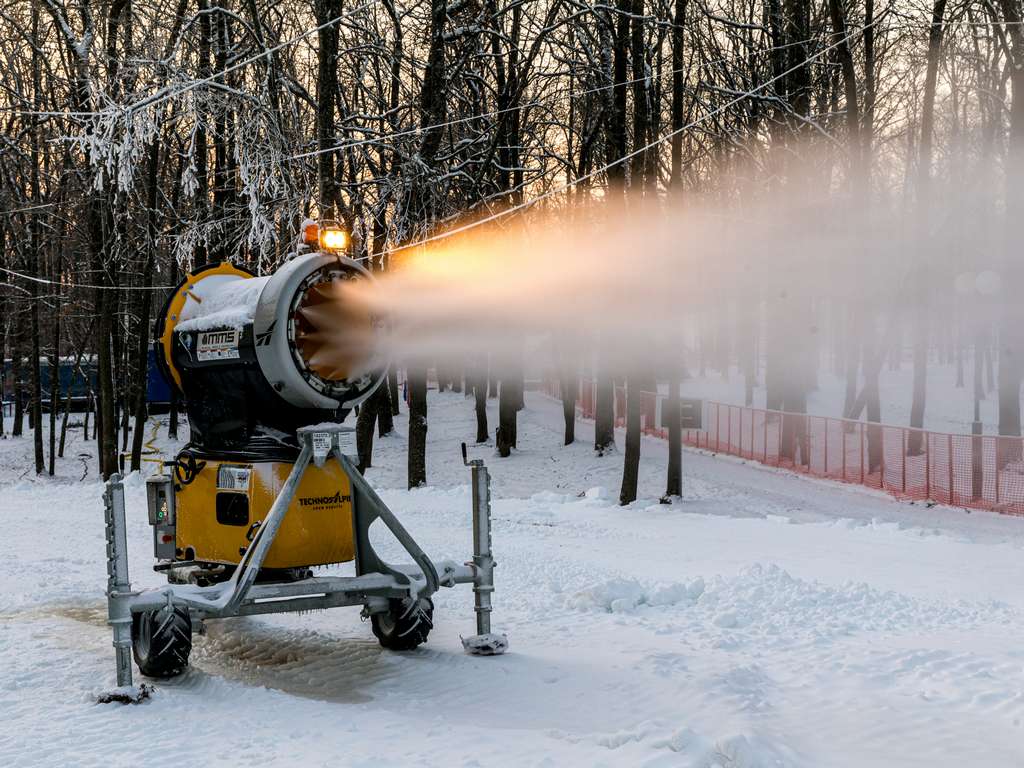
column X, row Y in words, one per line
column 630, row 279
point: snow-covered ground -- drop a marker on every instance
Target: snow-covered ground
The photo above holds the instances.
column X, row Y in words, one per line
column 767, row 620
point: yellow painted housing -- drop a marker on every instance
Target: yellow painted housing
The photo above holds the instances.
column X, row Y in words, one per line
column 177, row 304
column 212, row 522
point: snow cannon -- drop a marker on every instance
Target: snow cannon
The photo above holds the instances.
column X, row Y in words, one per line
column 269, row 368
column 255, row 357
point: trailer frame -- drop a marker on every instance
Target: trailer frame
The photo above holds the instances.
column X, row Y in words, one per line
column 375, row 584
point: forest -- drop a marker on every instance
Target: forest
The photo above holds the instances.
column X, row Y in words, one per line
column 142, row 139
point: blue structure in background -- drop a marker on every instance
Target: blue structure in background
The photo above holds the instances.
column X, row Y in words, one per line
column 158, row 390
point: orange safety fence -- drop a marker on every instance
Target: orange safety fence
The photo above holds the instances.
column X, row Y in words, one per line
column 975, row 471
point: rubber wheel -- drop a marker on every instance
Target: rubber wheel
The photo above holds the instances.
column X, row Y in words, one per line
column 162, row 641
column 401, row 629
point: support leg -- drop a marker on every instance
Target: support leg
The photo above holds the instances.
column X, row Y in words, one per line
column 483, row 559
column 484, row 643
column 119, row 615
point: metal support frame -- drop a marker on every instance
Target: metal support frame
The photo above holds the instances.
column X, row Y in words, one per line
column 373, row 585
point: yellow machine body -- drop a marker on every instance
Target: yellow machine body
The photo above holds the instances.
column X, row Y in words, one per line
column 216, row 510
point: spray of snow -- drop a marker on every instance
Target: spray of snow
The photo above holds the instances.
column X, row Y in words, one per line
column 632, row 279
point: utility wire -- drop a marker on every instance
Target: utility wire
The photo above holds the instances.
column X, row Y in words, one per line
column 44, row 282
column 26, row 209
column 159, row 97
column 576, row 94
column 692, row 124
column 555, row 190
column 570, row 95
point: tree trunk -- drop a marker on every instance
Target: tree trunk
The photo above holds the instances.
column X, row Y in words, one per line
column 106, row 424
column 604, row 415
column 674, row 484
column 142, row 327
column 17, row 429
column 631, row 463
column 416, row 378
column 365, row 422
column 36, row 257
column 857, row 171
column 480, row 402
column 678, row 89
column 873, row 359
column 508, row 405
column 55, row 388
column 37, row 392
column 1011, row 320
column 851, row 362
column 396, row 396
column 569, row 386
column 385, row 419
column 641, row 99
column 433, row 111
column 914, row 438
column 616, row 129
column 917, row 406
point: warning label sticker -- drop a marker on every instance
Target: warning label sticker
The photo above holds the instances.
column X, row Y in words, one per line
column 321, row 444
column 218, row 345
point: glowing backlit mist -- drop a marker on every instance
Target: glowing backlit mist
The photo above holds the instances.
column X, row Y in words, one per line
column 631, row 281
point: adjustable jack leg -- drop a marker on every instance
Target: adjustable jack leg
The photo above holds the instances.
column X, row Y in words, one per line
column 119, row 615
column 484, row 642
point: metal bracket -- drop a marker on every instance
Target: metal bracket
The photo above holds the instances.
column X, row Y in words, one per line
column 368, row 507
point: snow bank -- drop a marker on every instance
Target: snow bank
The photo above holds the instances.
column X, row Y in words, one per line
column 624, row 595
column 766, row 602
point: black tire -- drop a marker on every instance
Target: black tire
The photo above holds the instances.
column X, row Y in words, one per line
column 402, row 629
column 162, row 641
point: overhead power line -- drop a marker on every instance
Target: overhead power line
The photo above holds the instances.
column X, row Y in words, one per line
column 59, row 284
column 651, row 145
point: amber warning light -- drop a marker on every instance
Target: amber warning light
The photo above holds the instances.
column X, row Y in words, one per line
column 333, row 239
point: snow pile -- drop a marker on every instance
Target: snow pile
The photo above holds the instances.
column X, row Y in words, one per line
column 768, row 604
column 625, row 595
column 232, row 304
column 738, row 751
